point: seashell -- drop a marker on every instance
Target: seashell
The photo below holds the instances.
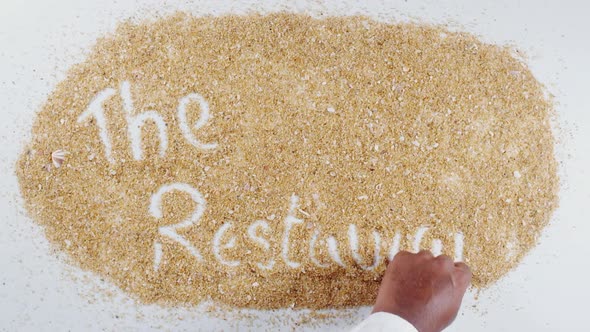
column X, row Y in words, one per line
column 58, row 157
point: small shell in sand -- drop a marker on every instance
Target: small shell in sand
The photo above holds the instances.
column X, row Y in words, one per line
column 58, row 157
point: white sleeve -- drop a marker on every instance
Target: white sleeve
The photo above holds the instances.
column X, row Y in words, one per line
column 382, row 322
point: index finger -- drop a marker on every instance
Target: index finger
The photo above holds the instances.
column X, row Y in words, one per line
column 462, row 275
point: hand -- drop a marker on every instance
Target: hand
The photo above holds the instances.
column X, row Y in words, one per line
column 424, row 290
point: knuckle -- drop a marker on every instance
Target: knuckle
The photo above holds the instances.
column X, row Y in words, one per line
column 401, row 255
column 425, row 253
column 463, row 267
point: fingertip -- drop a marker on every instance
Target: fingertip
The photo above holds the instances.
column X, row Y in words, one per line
column 463, row 274
column 462, row 266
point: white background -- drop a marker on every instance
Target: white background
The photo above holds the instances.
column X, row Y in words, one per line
column 39, row 40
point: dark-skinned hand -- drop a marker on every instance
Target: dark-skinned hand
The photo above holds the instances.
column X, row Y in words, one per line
column 424, row 290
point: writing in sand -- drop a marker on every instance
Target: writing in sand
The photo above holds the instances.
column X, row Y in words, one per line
column 222, row 240
column 263, row 161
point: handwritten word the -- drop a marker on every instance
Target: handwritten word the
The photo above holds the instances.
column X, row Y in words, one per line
column 135, row 121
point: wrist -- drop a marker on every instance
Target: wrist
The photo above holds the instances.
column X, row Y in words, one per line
column 394, row 310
